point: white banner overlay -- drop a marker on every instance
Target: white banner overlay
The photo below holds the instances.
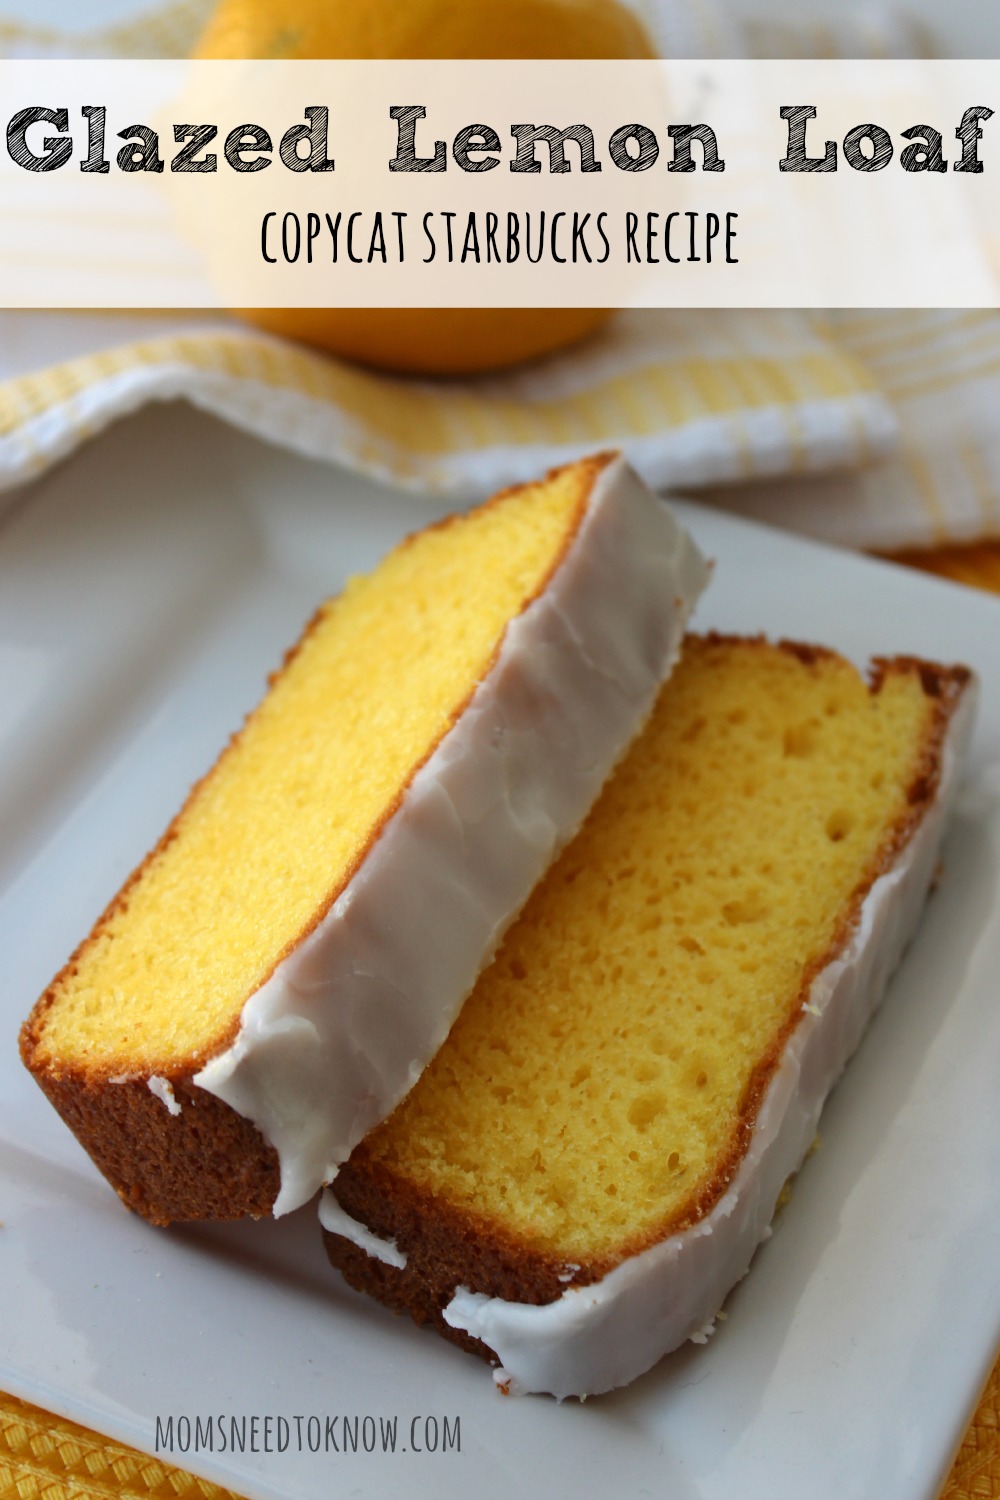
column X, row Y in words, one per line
column 517, row 184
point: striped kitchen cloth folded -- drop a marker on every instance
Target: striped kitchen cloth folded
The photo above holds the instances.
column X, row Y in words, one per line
column 693, row 397
column 873, row 430
column 939, row 372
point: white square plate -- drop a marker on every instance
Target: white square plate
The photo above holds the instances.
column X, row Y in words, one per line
column 146, row 588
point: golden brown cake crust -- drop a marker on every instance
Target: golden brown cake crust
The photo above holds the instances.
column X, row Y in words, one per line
column 403, row 1292
column 206, row 1162
column 209, row 1162
column 446, row 1246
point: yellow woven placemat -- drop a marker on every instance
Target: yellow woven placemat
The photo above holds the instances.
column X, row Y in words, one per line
column 43, row 1457
column 975, row 1474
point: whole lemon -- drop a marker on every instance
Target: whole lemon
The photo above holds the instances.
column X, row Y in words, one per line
column 422, row 28
column 429, row 341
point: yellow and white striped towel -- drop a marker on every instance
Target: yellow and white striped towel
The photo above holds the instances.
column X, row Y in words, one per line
column 694, row 397
column 894, row 409
column 940, row 374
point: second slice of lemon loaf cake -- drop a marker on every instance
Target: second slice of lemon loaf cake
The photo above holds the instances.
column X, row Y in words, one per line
column 586, row 1167
column 274, row 977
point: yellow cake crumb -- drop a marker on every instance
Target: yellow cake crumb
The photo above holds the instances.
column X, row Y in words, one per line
column 594, row 1081
column 265, row 843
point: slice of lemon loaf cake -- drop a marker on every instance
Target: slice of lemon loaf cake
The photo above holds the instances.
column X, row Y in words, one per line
column 586, row 1167
column 275, row 975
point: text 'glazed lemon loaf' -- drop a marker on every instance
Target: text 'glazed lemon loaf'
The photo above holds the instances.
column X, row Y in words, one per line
column 586, row 1167
column 276, row 974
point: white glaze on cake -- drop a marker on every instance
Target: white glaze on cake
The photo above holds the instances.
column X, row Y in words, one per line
column 597, row 1337
column 344, row 1026
column 336, row 1219
column 164, row 1091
